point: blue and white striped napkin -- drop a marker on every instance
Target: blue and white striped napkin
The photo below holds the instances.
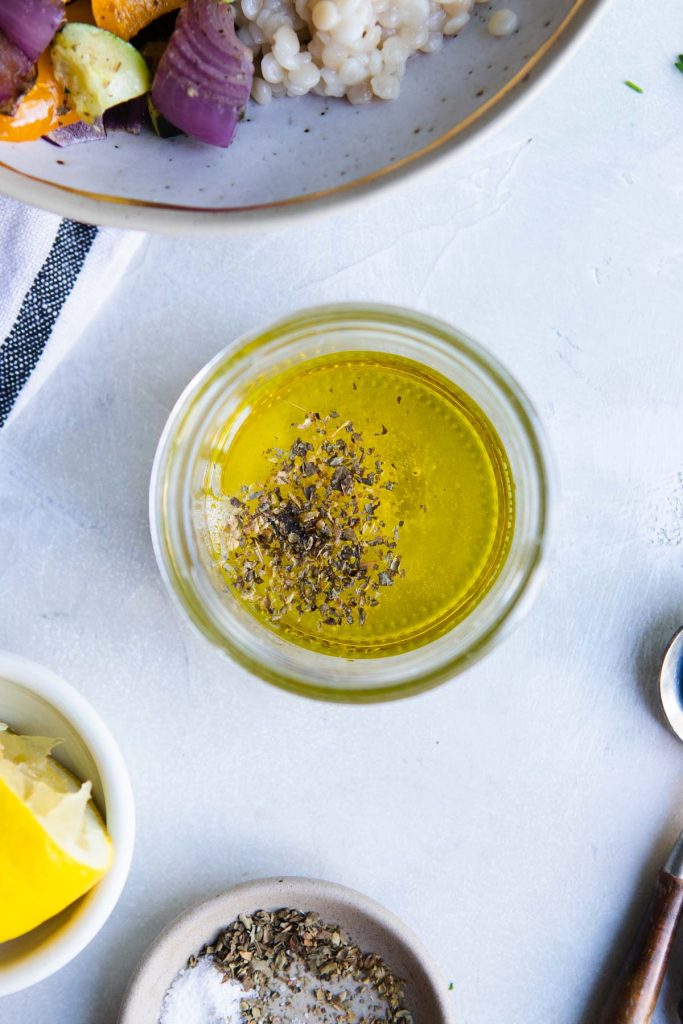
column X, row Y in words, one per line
column 55, row 275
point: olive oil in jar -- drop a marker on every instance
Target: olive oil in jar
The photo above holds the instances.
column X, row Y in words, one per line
column 359, row 504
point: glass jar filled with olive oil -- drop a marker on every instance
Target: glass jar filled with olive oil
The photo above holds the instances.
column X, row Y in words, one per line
column 352, row 503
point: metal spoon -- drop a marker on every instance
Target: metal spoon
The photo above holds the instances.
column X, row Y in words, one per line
column 635, row 993
column 671, row 683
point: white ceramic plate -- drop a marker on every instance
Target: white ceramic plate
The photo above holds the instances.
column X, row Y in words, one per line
column 368, row 923
column 295, row 155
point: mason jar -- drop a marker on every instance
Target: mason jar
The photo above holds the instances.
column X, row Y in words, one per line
column 188, row 445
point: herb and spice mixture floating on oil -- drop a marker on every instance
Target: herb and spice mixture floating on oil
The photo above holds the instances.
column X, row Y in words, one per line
column 310, row 538
column 285, row 965
column 368, row 526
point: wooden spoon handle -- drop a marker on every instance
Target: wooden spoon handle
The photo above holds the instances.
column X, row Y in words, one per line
column 634, row 996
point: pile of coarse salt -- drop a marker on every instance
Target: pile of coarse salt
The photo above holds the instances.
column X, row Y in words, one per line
column 199, row 995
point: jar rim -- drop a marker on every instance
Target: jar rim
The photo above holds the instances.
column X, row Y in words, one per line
column 420, row 329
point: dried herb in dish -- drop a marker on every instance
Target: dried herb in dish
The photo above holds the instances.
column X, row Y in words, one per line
column 292, row 961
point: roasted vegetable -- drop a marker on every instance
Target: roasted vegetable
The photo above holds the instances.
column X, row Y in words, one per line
column 42, row 109
column 74, row 134
column 80, row 10
column 125, row 18
column 31, row 24
column 97, row 69
column 130, row 117
column 204, row 77
column 17, row 75
column 163, row 128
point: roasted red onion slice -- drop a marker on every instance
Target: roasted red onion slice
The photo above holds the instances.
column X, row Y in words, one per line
column 17, row 75
column 130, row 116
column 74, row 134
column 31, row 24
column 204, row 77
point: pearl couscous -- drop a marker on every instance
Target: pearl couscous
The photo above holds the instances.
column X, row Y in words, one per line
column 356, row 49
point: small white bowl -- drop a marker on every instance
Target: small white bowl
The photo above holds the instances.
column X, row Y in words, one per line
column 34, row 700
column 368, row 923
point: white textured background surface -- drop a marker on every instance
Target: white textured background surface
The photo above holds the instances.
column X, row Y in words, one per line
column 514, row 817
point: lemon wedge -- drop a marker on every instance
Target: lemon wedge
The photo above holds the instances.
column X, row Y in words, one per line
column 54, row 846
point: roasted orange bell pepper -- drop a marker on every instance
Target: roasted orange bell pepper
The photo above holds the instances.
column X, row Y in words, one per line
column 41, row 111
column 125, row 18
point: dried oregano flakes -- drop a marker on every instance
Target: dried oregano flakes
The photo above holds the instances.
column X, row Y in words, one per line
column 293, row 965
column 310, row 539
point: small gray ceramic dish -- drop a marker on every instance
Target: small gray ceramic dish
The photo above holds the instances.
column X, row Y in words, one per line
column 370, row 925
